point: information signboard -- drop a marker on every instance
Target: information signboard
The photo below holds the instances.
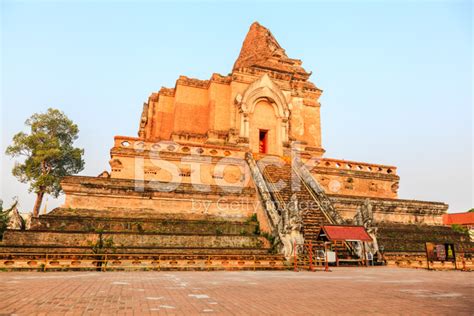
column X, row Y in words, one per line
column 331, row 256
column 440, row 252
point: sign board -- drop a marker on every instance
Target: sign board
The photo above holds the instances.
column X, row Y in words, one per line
column 440, row 252
column 331, row 256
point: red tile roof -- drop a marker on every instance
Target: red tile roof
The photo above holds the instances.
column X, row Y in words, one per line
column 459, row 218
column 346, row 233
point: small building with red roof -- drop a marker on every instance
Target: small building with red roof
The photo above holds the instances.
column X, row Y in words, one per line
column 464, row 219
column 345, row 233
column 461, row 219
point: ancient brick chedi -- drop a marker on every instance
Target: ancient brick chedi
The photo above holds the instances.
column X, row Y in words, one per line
column 266, row 105
column 229, row 148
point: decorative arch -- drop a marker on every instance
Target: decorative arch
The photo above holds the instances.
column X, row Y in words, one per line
column 264, row 89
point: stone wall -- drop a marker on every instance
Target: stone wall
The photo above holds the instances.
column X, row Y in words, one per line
column 133, row 158
column 392, row 210
column 124, row 240
column 411, row 238
column 355, row 178
column 81, row 222
column 108, row 194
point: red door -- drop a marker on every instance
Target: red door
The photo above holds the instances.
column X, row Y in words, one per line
column 262, row 141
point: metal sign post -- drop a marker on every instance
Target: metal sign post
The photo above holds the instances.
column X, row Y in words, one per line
column 326, row 265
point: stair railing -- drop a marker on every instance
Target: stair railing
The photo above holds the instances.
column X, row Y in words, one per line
column 283, row 208
column 274, row 192
column 317, row 192
column 271, row 210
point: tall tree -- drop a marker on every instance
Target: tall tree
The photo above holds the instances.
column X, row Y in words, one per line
column 49, row 153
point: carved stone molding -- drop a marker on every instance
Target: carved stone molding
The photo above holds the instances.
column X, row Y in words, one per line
column 263, row 88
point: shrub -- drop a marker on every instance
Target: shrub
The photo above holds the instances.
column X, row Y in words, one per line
column 459, row 228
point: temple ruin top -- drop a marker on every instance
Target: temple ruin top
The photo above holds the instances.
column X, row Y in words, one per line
column 260, row 49
column 266, row 93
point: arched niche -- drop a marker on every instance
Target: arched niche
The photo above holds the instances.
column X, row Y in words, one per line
column 264, row 107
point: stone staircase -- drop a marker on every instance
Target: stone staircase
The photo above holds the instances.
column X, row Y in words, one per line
column 317, row 192
column 289, row 183
column 313, row 217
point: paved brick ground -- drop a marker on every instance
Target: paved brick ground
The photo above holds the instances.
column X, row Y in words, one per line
column 343, row 291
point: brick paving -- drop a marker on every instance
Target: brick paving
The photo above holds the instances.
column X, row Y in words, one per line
column 342, row 291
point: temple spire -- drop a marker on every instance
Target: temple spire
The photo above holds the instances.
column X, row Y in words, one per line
column 260, row 49
column 258, row 46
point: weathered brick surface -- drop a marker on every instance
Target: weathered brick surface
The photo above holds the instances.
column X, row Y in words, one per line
column 71, row 239
column 412, row 238
column 140, row 225
column 344, row 291
column 392, row 210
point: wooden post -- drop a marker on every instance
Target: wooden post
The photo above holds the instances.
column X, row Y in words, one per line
column 45, row 262
column 366, row 262
column 454, row 255
column 427, row 259
column 104, row 264
column 326, row 264
column 311, row 256
column 295, row 256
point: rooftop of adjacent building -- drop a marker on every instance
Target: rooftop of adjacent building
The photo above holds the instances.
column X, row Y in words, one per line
column 459, row 218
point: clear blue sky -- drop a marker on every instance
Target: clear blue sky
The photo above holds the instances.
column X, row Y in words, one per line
column 397, row 76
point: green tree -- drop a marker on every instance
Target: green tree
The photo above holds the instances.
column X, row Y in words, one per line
column 5, row 216
column 49, row 153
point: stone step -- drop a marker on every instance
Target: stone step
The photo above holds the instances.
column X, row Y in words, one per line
column 129, row 240
column 140, row 225
column 313, row 218
column 142, row 214
column 65, row 250
column 143, row 261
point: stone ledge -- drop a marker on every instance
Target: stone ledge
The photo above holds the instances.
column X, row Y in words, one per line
column 354, row 173
column 142, row 215
column 78, row 223
column 361, row 199
column 33, row 250
column 87, row 183
column 125, row 240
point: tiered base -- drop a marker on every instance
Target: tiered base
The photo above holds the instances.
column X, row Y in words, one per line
column 88, row 239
